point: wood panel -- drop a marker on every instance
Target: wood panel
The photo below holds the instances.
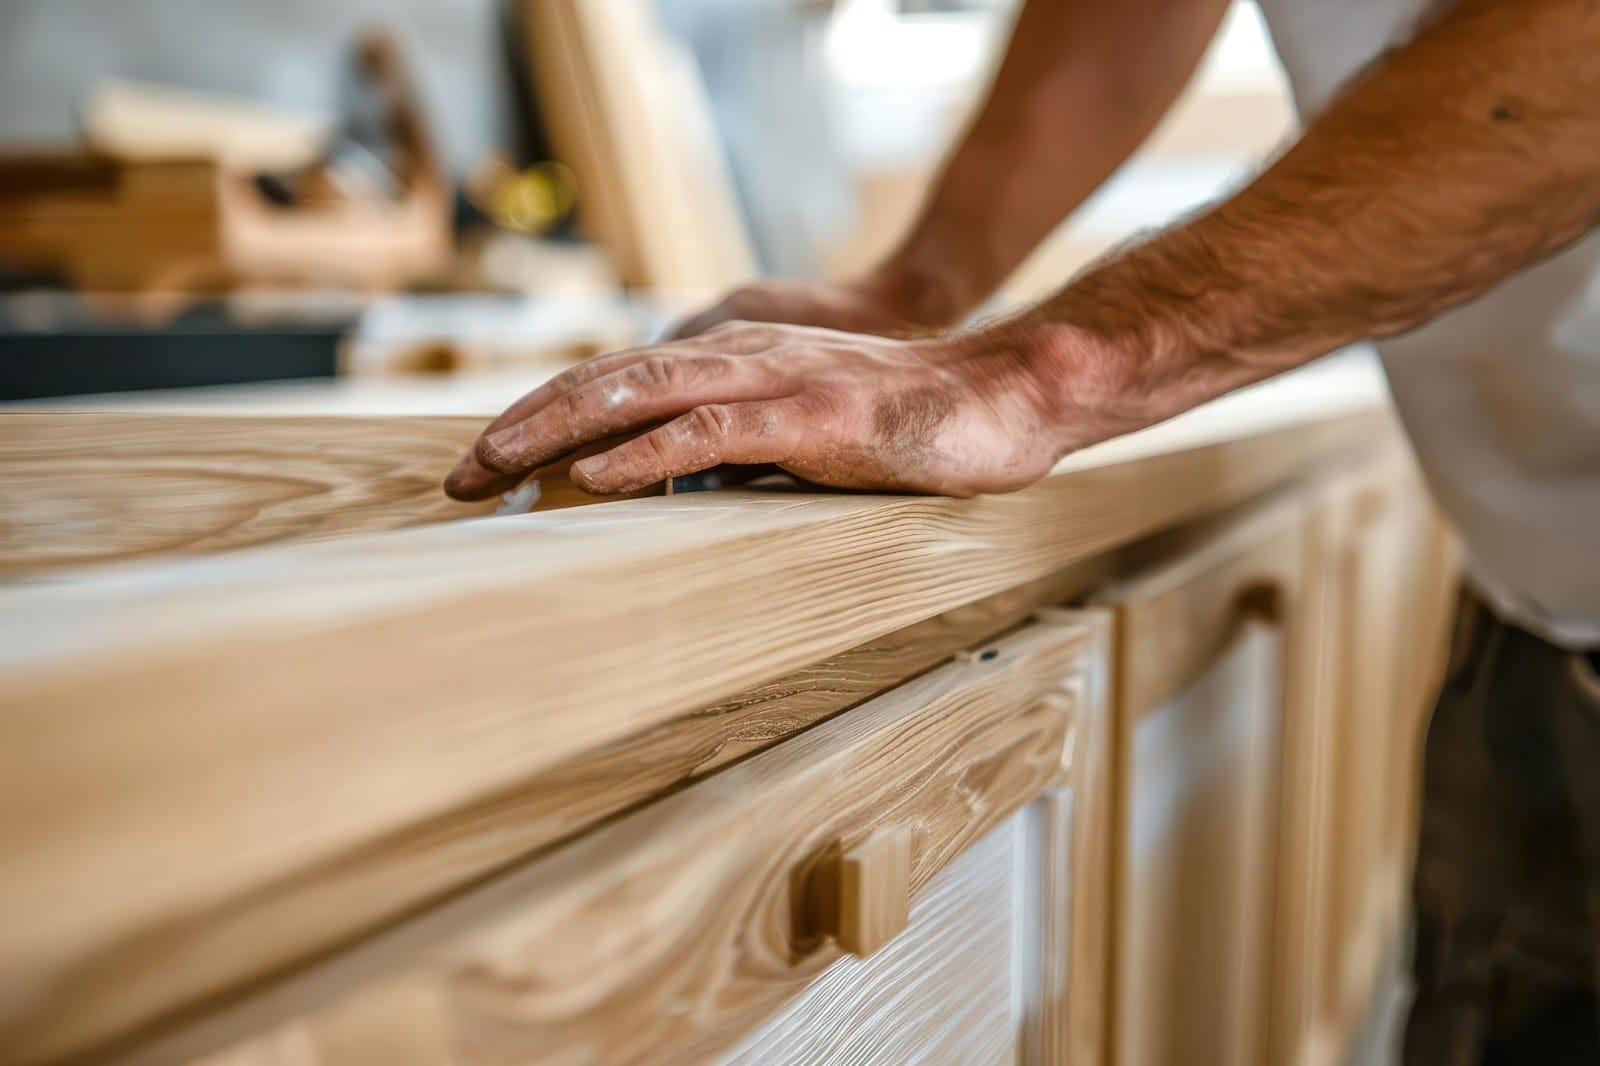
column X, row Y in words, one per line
column 669, row 934
column 1393, row 579
column 1295, row 1036
column 1199, row 709
column 283, row 767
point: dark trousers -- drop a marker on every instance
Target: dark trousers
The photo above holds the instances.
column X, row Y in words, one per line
column 1507, row 888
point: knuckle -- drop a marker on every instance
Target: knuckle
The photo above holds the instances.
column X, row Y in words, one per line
column 661, row 448
column 572, row 406
column 656, row 372
column 711, row 423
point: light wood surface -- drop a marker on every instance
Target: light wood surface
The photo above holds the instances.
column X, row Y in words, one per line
column 667, row 935
column 1199, row 709
column 304, row 779
column 81, row 487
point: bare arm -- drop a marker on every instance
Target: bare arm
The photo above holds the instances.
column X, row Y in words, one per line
column 1470, row 153
column 1081, row 85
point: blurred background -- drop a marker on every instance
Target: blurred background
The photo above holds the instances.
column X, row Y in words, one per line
column 201, row 192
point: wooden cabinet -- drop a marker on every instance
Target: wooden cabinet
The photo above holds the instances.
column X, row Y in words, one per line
column 1203, row 653
column 697, row 780
column 707, row 927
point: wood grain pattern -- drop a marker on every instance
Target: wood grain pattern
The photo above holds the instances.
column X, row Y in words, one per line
column 667, row 935
column 93, row 487
column 293, row 766
column 328, row 903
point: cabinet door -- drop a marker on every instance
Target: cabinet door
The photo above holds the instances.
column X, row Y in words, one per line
column 1387, row 574
column 899, row 881
column 1202, row 659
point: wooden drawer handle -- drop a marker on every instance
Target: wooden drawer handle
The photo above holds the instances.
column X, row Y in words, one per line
column 874, row 891
column 1262, row 601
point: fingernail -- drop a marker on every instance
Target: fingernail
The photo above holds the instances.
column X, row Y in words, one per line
column 595, row 464
column 461, row 472
column 494, row 450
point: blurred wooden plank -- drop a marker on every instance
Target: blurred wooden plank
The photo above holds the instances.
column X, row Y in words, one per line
column 628, row 113
column 147, row 120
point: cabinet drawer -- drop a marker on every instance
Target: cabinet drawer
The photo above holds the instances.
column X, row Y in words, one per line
column 950, row 982
column 675, row 933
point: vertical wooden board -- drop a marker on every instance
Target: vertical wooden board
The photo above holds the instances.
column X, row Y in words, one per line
column 1093, row 852
column 628, row 110
column 1365, row 658
column 1303, row 859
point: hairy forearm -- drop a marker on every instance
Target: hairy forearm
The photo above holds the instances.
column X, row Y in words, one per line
column 1081, row 85
column 1454, row 162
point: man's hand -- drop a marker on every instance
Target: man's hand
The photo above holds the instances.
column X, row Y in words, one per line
column 865, row 306
column 956, row 415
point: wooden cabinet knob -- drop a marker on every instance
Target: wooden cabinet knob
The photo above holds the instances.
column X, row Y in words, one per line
column 874, row 891
column 1262, row 601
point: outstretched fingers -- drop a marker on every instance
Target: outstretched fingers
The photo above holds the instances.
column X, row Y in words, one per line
column 744, row 433
column 653, row 390
column 610, row 395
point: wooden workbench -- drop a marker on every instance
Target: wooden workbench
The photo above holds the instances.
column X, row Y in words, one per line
column 337, row 771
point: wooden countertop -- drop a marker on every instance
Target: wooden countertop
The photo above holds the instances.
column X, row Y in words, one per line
column 285, row 747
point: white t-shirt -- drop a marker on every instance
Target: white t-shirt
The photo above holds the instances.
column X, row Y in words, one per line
column 1500, row 396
